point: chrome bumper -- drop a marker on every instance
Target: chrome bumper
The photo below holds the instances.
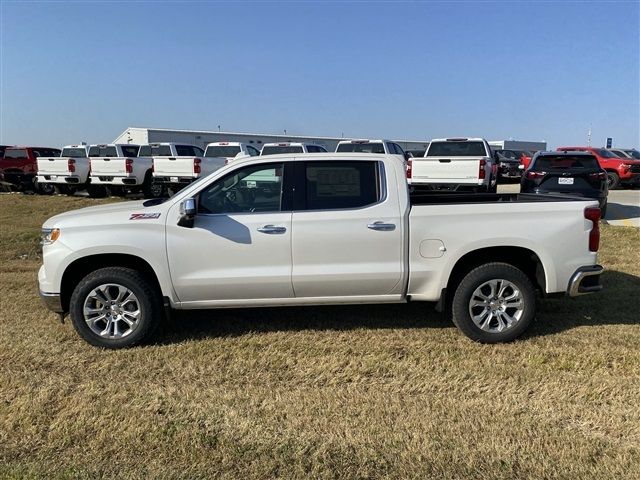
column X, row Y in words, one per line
column 52, row 301
column 585, row 280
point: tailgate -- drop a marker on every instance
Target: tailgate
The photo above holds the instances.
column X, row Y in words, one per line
column 108, row 166
column 435, row 169
column 173, row 166
column 53, row 166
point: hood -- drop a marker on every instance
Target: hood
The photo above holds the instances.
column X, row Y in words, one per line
column 105, row 214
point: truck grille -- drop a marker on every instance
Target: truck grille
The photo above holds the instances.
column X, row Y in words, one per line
column 635, row 169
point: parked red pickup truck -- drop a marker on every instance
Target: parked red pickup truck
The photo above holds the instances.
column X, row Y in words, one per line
column 19, row 167
column 619, row 170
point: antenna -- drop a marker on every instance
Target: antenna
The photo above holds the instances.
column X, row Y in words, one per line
column 589, row 136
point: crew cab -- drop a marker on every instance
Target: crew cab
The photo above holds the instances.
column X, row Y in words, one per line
column 19, row 167
column 177, row 164
column 291, row 147
column 386, row 147
column 455, row 164
column 68, row 171
column 620, row 171
column 343, row 229
column 118, row 167
column 230, row 150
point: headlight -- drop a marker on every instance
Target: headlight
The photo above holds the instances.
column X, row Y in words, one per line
column 49, row 235
column 625, row 166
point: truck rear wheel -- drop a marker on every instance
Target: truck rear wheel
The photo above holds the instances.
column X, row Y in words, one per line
column 97, row 191
column 43, row 188
column 115, row 307
column 152, row 189
column 494, row 303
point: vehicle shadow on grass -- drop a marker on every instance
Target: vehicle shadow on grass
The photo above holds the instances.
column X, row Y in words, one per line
column 618, row 211
column 196, row 324
column 617, row 304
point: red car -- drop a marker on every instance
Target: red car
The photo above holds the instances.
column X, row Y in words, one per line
column 620, row 171
column 19, row 167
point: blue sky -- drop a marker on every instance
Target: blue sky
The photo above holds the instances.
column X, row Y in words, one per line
column 74, row 71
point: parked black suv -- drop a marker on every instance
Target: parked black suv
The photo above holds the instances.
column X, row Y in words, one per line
column 568, row 173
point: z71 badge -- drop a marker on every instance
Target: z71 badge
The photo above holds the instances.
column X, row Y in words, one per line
column 144, row 216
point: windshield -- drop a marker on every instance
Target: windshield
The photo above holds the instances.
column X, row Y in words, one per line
column 606, row 153
column 456, row 149
column 274, row 150
column 74, row 152
column 634, row 154
column 369, row 147
column 564, row 162
column 221, row 151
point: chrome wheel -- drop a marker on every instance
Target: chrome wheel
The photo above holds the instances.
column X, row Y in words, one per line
column 496, row 305
column 112, row 311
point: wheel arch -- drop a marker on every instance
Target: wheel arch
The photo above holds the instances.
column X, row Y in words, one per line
column 83, row 266
column 520, row 257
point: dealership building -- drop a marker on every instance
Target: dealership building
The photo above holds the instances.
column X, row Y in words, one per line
column 142, row 135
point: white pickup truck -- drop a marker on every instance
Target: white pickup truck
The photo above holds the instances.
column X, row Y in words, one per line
column 68, row 172
column 176, row 164
column 118, row 167
column 343, row 230
column 455, row 164
column 371, row 146
column 230, row 150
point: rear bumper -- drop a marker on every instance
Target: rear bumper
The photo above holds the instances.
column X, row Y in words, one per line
column 66, row 179
column 175, row 180
column 114, row 180
column 585, row 280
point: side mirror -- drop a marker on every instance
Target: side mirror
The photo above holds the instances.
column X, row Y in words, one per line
column 187, row 213
column 520, row 167
column 407, row 156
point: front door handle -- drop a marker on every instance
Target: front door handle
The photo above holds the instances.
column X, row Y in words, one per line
column 381, row 226
column 272, row 229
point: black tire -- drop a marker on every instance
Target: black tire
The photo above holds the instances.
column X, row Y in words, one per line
column 97, row 191
column 478, row 277
column 148, row 302
column 613, row 180
column 43, row 188
column 152, row 189
column 64, row 190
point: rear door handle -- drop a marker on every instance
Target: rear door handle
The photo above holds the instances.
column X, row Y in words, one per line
column 272, row 229
column 382, row 227
column 444, row 160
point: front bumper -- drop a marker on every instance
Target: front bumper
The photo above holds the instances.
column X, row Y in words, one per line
column 585, row 280
column 52, row 301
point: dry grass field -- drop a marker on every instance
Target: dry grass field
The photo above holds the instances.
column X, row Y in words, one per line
column 333, row 392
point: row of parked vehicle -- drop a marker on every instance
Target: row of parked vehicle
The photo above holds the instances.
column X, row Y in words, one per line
column 447, row 165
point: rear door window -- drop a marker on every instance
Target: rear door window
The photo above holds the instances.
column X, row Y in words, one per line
column 338, row 185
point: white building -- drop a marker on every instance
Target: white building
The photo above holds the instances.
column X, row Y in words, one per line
column 142, row 135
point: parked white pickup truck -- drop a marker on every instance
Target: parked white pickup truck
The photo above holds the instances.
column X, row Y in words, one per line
column 68, row 172
column 343, row 230
column 455, row 164
column 176, row 165
column 118, row 167
column 230, row 150
column 371, row 146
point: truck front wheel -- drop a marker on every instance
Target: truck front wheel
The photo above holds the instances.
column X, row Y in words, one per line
column 494, row 303
column 115, row 307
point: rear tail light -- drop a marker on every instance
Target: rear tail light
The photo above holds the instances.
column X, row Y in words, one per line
column 409, row 168
column 128, row 165
column 531, row 175
column 71, row 165
column 598, row 176
column 481, row 172
column 197, row 169
column 593, row 214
